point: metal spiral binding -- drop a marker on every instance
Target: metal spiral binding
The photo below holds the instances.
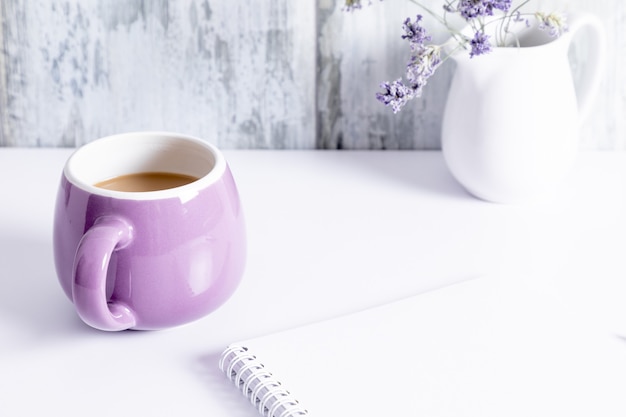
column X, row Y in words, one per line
column 258, row 385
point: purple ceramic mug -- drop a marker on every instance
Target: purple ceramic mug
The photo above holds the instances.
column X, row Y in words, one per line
column 148, row 259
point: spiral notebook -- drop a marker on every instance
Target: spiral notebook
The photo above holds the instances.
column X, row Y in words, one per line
column 490, row 347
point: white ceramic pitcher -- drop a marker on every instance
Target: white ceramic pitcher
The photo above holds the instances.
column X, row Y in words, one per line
column 511, row 122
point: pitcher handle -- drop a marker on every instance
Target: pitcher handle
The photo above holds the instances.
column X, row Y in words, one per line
column 594, row 66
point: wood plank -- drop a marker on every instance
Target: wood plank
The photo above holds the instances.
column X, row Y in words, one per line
column 236, row 74
column 264, row 74
column 358, row 51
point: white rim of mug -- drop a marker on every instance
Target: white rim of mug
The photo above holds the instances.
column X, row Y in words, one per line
column 184, row 192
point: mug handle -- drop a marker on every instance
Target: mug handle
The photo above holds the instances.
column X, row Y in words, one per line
column 594, row 63
column 91, row 263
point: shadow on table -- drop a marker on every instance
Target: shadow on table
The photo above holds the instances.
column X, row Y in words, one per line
column 425, row 171
column 221, row 389
column 31, row 298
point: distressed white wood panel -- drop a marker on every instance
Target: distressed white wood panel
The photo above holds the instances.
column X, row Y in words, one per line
column 359, row 50
column 240, row 74
column 262, row 74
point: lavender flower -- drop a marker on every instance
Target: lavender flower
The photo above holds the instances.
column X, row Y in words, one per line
column 480, row 44
column 471, row 9
column 423, row 65
column 517, row 17
column 414, row 33
column 352, row 5
column 554, row 23
column 503, row 5
column 426, row 57
column 396, row 94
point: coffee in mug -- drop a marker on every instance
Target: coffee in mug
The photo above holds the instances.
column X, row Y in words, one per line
column 145, row 251
column 146, row 181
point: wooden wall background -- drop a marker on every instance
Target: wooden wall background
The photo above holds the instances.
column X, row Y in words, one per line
column 280, row 74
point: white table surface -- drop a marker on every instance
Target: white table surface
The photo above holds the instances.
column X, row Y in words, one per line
column 329, row 233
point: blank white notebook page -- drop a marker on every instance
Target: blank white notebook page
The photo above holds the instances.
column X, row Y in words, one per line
column 489, row 347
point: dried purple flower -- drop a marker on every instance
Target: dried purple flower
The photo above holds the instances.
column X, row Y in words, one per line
column 480, row 44
column 503, row 5
column 554, row 23
column 352, row 5
column 423, row 65
column 395, row 94
column 471, row 9
column 426, row 58
column 517, row 18
column 414, row 33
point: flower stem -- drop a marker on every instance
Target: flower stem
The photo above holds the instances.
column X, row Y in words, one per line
column 503, row 31
column 430, row 12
